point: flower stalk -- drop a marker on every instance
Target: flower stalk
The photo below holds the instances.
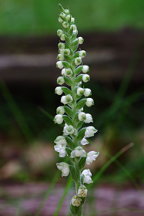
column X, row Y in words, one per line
column 70, row 145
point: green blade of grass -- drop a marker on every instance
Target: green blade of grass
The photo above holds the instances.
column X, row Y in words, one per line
column 61, row 201
column 47, row 193
column 113, row 159
column 17, row 113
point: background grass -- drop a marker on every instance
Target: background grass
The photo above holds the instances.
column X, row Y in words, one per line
column 40, row 16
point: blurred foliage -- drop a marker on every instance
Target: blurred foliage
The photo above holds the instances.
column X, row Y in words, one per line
column 40, row 16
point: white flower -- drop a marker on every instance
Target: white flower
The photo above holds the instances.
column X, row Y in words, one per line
column 80, row 91
column 66, row 99
column 60, row 110
column 82, row 191
column 66, row 11
column 61, row 149
column 72, row 19
column 91, row 156
column 60, row 19
column 85, row 68
column 87, row 92
column 68, row 17
column 90, row 131
column 78, row 152
column 62, row 37
column 85, row 78
column 88, row 118
column 76, row 201
column 65, row 24
column 73, row 27
column 59, row 64
column 61, row 45
column 63, row 15
column 80, row 40
column 59, row 32
column 64, row 168
column 60, row 57
column 89, row 102
column 86, row 175
column 82, row 116
column 58, row 119
column 68, row 129
column 82, row 53
column 60, row 140
column 78, row 61
column 66, row 72
column 67, row 52
column 60, row 80
column 84, row 141
column 58, row 90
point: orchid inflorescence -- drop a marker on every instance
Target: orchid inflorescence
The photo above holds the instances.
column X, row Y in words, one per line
column 71, row 113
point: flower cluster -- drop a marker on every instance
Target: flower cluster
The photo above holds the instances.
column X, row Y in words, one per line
column 74, row 97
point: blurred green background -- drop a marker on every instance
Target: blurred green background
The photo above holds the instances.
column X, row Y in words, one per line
column 40, row 16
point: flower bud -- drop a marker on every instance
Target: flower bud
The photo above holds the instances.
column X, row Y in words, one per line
column 82, row 53
column 87, row 92
column 68, row 17
column 60, row 110
column 72, row 19
column 82, row 191
column 62, row 15
column 66, row 52
column 66, row 99
column 68, row 72
column 59, row 32
column 80, row 40
column 89, row 102
column 59, row 64
column 85, row 78
column 65, row 24
column 58, row 119
column 60, row 20
column 62, row 37
column 73, row 27
column 82, row 116
column 85, row 68
column 61, row 45
column 84, row 141
column 88, row 118
column 80, row 91
column 58, row 90
column 60, row 57
column 66, row 11
column 78, row 61
column 60, row 80
column 76, row 201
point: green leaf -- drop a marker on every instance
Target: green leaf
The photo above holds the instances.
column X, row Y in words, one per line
column 69, row 141
column 81, row 133
column 68, row 81
column 79, row 78
column 67, row 120
column 78, row 70
column 66, row 64
column 82, row 162
column 68, row 111
column 81, row 103
column 75, row 173
column 66, row 90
